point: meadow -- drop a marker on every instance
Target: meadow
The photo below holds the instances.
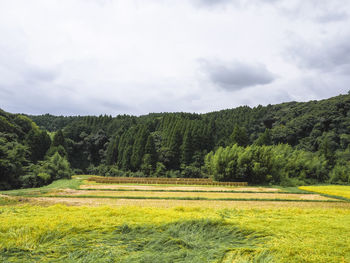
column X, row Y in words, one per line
column 35, row 227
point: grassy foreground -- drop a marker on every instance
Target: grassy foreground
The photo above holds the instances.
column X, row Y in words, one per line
column 173, row 230
column 135, row 234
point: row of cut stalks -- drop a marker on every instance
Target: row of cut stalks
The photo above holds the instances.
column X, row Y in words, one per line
column 185, row 181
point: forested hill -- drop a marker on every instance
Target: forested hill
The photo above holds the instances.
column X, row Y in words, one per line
column 301, row 124
column 177, row 144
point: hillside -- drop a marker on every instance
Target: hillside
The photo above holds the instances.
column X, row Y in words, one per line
column 176, row 144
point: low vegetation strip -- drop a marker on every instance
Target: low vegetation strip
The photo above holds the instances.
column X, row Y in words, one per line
column 182, row 181
column 342, row 191
column 190, row 198
column 209, row 195
column 89, row 184
column 189, row 191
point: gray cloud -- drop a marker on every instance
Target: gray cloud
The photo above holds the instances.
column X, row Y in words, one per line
column 331, row 55
column 212, row 2
column 235, row 75
column 336, row 16
column 315, row 10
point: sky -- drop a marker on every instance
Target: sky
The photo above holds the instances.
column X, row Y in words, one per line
column 92, row 57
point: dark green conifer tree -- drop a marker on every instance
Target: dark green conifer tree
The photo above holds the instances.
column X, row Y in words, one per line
column 187, row 148
column 264, row 138
column 239, row 136
column 151, row 150
column 58, row 139
column 138, row 149
column 112, row 151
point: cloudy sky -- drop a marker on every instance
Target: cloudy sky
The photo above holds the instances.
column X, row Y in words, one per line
column 138, row 56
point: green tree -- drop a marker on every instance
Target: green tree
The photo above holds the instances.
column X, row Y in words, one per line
column 13, row 160
column 175, row 149
column 58, row 139
column 187, row 148
column 112, row 151
column 264, row 138
column 239, row 136
column 125, row 164
column 57, row 167
column 151, row 150
column 146, row 166
column 39, row 143
column 139, row 148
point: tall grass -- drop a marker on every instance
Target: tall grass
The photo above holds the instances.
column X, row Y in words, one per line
column 130, row 234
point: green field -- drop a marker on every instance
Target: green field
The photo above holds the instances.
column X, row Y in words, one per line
column 32, row 229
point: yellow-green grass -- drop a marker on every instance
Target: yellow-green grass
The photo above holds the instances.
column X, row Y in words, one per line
column 98, row 234
column 207, row 195
column 336, row 190
column 165, row 203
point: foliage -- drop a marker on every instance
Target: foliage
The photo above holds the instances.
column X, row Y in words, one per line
column 57, row 167
column 317, row 131
column 13, row 160
column 266, row 164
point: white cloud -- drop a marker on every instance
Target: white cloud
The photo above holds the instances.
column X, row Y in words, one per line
column 136, row 56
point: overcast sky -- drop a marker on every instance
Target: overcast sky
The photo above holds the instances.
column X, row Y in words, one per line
column 138, row 56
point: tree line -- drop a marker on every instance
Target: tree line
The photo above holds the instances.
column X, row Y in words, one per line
column 314, row 133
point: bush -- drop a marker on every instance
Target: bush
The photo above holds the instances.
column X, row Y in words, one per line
column 191, row 172
column 340, row 174
column 172, row 174
column 57, row 167
column 45, row 177
column 160, row 170
column 30, row 180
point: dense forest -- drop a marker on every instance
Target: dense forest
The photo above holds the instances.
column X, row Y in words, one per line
column 290, row 143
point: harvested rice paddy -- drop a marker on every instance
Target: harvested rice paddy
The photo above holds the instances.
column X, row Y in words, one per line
column 177, row 188
column 206, row 195
column 67, row 222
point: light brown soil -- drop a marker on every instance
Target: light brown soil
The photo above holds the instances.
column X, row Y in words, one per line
column 181, row 188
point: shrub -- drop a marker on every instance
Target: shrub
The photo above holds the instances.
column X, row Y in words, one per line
column 45, row 177
column 191, row 172
column 340, row 174
column 57, row 167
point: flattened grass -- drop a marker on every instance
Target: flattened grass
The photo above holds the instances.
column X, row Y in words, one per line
column 131, row 234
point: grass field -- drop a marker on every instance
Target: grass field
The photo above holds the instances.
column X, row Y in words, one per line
column 32, row 229
column 335, row 190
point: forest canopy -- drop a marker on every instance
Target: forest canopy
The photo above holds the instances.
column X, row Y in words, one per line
column 289, row 143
